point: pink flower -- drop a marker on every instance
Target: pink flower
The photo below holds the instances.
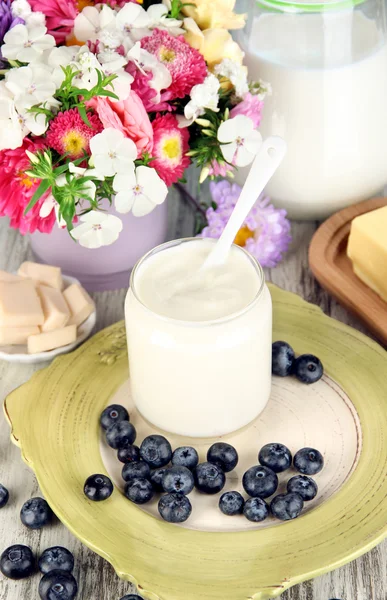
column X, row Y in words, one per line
column 60, row 15
column 170, row 145
column 17, row 189
column 251, row 107
column 141, row 86
column 68, row 133
column 128, row 116
column 185, row 64
column 220, row 169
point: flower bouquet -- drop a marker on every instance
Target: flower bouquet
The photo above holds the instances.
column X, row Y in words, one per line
column 113, row 102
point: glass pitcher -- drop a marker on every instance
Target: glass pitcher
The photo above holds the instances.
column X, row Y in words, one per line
column 327, row 65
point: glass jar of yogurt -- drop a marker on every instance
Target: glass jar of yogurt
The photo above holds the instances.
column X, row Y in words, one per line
column 199, row 342
column 327, row 65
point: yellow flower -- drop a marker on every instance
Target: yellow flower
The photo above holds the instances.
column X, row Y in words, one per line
column 215, row 14
column 213, row 44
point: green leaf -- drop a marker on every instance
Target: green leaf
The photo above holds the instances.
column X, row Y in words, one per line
column 83, row 113
column 42, row 189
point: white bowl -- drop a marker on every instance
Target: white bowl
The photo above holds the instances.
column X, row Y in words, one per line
column 19, row 354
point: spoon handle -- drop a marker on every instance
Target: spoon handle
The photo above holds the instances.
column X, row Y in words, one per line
column 266, row 162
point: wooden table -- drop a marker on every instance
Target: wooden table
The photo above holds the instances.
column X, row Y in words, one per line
column 363, row 579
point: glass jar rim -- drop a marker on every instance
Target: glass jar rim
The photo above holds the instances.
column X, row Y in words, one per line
column 255, row 264
column 309, row 6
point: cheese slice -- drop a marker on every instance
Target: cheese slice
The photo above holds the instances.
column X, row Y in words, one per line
column 9, row 277
column 367, row 249
column 80, row 303
column 16, row 335
column 52, row 339
column 19, row 304
column 56, row 311
column 43, row 274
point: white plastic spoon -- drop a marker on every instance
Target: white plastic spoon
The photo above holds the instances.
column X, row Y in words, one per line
column 263, row 168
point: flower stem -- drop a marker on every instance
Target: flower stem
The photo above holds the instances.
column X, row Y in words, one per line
column 191, row 199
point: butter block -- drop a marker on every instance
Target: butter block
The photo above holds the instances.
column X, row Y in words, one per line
column 367, row 249
column 51, row 339
column 80, row 303
column 20, row 304
column 56, row 311
column 9, row 277
column 43, row 274
column 16, row 335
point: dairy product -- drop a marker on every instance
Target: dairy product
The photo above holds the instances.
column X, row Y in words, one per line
column 51, row 340
column 56, row 311
column 16, row 335
column 367, row 249
column 199, row 344
column 80, row 304
column 44, row 274
column 19, row 304
column 9, row 277
column 329, row 78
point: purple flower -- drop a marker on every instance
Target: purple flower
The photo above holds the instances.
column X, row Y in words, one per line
column 265, row 232
column 7, row 21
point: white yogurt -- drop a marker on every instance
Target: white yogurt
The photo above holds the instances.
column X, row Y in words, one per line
column 329, row 80
column 199, row 347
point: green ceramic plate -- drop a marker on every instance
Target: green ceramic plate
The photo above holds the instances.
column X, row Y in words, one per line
column 54, row 420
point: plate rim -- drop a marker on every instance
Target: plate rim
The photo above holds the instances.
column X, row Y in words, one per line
column 109, row 349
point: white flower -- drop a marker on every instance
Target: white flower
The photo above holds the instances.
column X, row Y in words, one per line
column 133, row 19
column 204, row 95
column 11, row 132
column 30, row 84
column 20, row 8
column 26, row 44
column 36, row 19
column 48, row 206
column 113, row 63
column 265, row 89
column 111, row 38
column 81, row 171
column 236, row 73
column 239, row 140
column 158, row 17
column 145, row 61
column 87, row 65
column 97, row 229
column 112, row 152
column 91, row 21
column 60, row 57
column 139, row 190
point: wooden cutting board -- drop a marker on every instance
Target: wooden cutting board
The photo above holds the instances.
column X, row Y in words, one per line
column 332, row 268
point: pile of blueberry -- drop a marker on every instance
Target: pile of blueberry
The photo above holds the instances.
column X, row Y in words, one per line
column 307, row 367
column 154, row 468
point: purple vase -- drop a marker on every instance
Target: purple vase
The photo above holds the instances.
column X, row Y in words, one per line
column 109, row 267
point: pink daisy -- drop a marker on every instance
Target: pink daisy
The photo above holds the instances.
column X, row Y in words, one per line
column 60, row 15
column 69, row 134
column 186, row 65
column 17, row 189
column 141, row 86
column 170, row 145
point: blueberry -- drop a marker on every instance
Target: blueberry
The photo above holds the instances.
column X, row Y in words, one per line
column 231, row 503
column 256, row 510
column 178, row 479
column 156, row 451
column 58, row 585
column 275, row 456
column 113, row 414
column 175, row 508
column 136, row 470
column 156, row 478
column 260, row 482
column 4, row 496
column 209, row 478
column 308, row 368
column 121, row 434
column 223, row 456
column 282, row 357
column 303, row 485
column 36, row 513
column 17, row 562
column 139, row 491
column 131, row 597
column 287, row 506
column 56, row 558
column 98, row 487
column 128, row 454
column 308, row 461
column 185, row 456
